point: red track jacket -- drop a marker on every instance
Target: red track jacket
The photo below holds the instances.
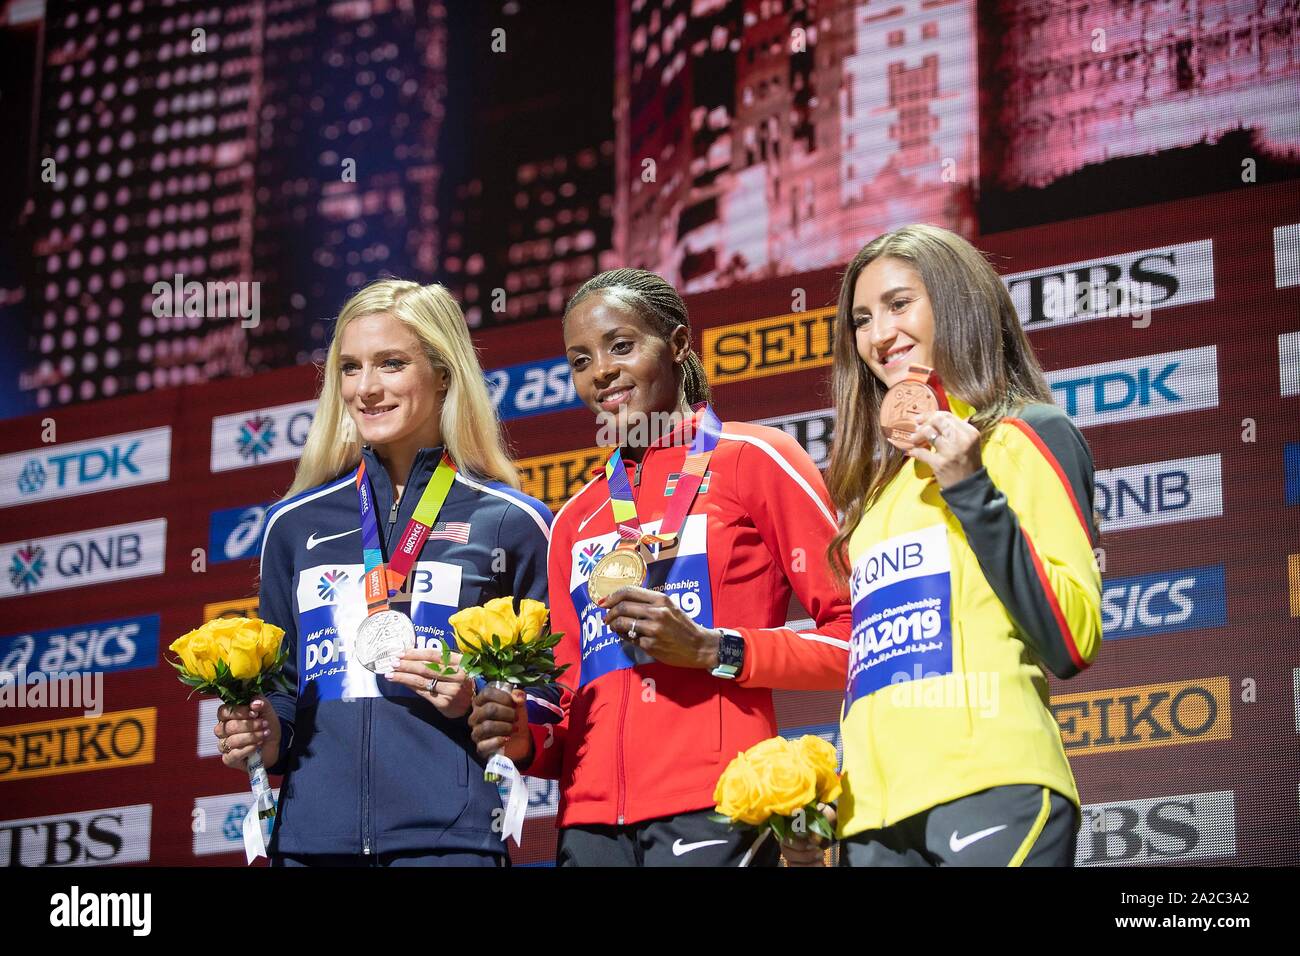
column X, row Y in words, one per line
column 651, row 740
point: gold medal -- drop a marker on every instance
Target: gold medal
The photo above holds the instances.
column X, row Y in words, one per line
column 622, row 567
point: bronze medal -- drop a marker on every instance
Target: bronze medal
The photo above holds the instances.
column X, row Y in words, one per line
column 622, row 567
column 915, row 397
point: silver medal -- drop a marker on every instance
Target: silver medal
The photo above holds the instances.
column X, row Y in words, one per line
column 382, row 638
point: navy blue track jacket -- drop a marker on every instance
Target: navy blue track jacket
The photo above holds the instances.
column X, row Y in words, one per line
column 371, row 767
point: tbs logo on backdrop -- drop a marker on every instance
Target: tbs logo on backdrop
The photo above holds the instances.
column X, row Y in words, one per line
column 85, row 467
column 236, row 533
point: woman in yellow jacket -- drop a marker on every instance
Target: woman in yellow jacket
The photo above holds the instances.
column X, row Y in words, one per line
column 967, row 544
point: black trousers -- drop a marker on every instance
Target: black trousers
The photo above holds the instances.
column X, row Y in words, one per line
column 1021, row 825
column 687, row 839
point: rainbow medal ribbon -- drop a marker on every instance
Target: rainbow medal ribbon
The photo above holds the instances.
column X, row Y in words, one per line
column 386, row 633
column 625, row 566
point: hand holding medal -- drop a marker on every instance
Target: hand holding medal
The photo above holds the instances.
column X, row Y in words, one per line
column 915, row 418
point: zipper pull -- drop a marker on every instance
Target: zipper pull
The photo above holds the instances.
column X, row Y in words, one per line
column 392, row 514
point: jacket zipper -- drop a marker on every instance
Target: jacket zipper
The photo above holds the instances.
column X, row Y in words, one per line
column 365, row 734
column 365, row 780
column 622, row 726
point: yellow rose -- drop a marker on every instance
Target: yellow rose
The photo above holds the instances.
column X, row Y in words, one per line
column 739, row 794
column 468, row 625
column 204, row 654
column 496, row 624
column 245, row 660
column 268, row 643
column 773, row 747
column 820, row 755
column 221, row 631
column 532, row 620
column 181, row 648
column 788, row 782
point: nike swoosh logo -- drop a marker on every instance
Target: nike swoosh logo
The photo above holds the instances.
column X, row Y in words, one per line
column 312, row 540
column 679, row 847
column 957, row 844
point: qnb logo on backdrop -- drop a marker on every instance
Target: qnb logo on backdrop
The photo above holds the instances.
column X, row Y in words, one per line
column 1158, row 830
column 1133, row 284
column 85, row 467
column 1164, row 601
column 1143, row 387
column 236, row 533
column 532, row 388
column 260, row 436
column 1161, row 492
column 83, row 558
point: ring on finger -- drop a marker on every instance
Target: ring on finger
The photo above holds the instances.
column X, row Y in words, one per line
column 631, row 634
column 429, row 687
column 224, row 745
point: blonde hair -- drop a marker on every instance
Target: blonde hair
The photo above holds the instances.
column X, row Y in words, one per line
column 470, row 429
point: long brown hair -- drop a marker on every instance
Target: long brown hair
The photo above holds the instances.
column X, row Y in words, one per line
column 981, row 354
column 653, row 298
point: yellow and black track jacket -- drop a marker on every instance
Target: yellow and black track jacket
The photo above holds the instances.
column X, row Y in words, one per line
column 961, row 597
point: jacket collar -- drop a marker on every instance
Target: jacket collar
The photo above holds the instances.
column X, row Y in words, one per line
column 422, row 469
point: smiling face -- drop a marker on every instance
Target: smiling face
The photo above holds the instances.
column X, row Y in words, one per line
column 892, row 319
column 392, row 392
column 621, row 366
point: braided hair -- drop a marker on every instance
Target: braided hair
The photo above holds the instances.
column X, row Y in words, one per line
column 655, row 300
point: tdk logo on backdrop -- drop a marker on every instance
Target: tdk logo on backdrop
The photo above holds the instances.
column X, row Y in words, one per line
column 1132, row 284
column 1138, row 387
column 531, row 388
column 79, row 468
column 236, row 533
column 1159, row 493
column 260, row 435
column 82, row 558
column 1164, row 601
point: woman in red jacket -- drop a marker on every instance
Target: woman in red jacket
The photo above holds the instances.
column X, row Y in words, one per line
column 721, row 523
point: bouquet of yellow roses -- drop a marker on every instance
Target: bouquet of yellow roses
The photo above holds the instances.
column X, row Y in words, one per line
column 507, row 650
column 237, row 659
column 780, row 786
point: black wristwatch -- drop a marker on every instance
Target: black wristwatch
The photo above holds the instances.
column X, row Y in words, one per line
column 731, row 655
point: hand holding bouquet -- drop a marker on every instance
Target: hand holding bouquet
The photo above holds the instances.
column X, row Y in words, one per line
column 508, row 650
column 237, row 660
column 780, row 786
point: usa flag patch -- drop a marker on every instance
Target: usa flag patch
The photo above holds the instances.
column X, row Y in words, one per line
column 450, row 531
